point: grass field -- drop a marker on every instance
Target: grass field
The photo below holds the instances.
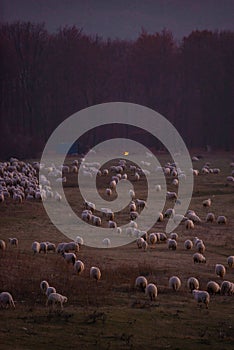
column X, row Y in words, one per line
column 111, row 314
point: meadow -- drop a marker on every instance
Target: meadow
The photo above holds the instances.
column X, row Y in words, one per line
column 111, row 314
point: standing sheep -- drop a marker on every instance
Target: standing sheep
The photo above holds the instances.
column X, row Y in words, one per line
column 188, row 244
column 210, row 217
column 174, row 283
column 6, row 300
column 172, row 244
column 2, row 244
column 199, row 258
column 227, row 288
column 202, row 296
column 206, row 202
column 95, row 273
column 141, row 283
column 152, row 238
column 36, row 247
column 151, row 291
column 43, row 247
column 212, row 287
column 192, row 283
column 13, row 242
column 189, row 224
column 140, row 242
column 230, row 261
column 79, row 267
column 220, row 270
column 56, row 298
column 70, row 258
column 221, row 219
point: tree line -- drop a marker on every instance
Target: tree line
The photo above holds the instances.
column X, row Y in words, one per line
column 46, row 77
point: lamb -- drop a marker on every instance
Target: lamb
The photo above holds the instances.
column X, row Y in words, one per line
column 192, row 283
column 2, row 244
column 227, row 288
column 210, row 217
column 199, row 258
column 151, row 291
column 43, row 286
column 79, row 267
column 95, row 273
column 202, row 296
column 189, row 224
column 50, row 290
column 221, row 219
column 212, row 287
column 174, row 283
column 13, row 242
column 70, row 258
column 6, row 300
column 206, row 202
column 188, row 244
column 141, row 283
column 220, row 270
column 172, row 244
column 36, row 247
column 230, row 261
column 56, row 298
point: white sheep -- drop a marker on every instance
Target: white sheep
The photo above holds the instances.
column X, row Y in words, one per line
column 36, row 247
column 227, row 288
column 188, row 244
column 201, row 296
column 112, row 224
column 60, row 246
column 174, row 283
column 140, row 242
column 108, row 191
column 79, row 267
column 221, row 219
column 152, row 238
column 79, row 240
column 213, row 287
column 6, row 300
column 106, row 242
column 172, row 244
column 70, row 258
column 43, row 286
column 141, row 283
column 13, row 242
column 171, row 195
column 50, row 290
column 230, row 261
column 133, row 215
column 210, row 217
column 96, row 220
column 56, row 298
column 144, row 245
column 151, row 291
column 2, row 244
column 132, row 206
column 158, row 188
column 192, row 283
column 220, row 270
column 189, row 224
column 199, row 258
column 51, row 247
column 206, row 202
column 200, row 247
column 95, row 273
column 174, row 235
column 43, row 247
column 132, row 194
column 71, row 247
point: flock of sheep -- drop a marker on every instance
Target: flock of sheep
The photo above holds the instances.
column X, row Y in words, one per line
column 19, row 181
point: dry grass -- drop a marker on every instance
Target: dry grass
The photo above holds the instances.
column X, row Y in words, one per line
column 110, row 314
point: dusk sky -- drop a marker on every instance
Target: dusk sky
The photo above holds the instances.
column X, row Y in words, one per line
column 123, row 18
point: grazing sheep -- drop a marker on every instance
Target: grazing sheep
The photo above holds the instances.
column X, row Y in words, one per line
column 152, row 238
column 206, row 202
column 227, row 288
column 133, row 215
column 2, row 244
column 56, row 298
column 140, row 242
column 170, row 212
column 172, row 244
column 151, row 291
column 89, row 206
column 192, row 283
column 171, row 195
column 96, row 220
column 221, row 219
column 36, row 247
column 79, row 267
column 43, row 286
column 86, row 215
column 95, row 273
column 210, row 217
column 71, row 247
column 199, row 258
column 144, row 245
column 212, row 287
column 189, row 224
column 230, row 261
column 188, row 244
column 159, row 217
column 161, row 236
column 108, row 191
column 141, row 283
column 43, row 247
column 200, row 247
column 6, row 300
column 140, row 203
column 50, row 290
column 201, row 296
column 79, row 240
column 13, row 242
column 132, row 194
column 70, row 258
column 174, row 283
column 220, row 270
column 60, row 247
column 106, row 242
column 51, row 247
column 112, row 224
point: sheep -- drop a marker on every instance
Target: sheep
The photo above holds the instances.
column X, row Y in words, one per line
column 36, row 247
column 132, row 206
column 221, row 219
column 151, row 291
column 95, row 273
column 199, row 258
column 227, row 288
column 2, row 244
column 51, row 247
column 96, row 220
column 172, row 244
column 6, row 300
column 60, row 246
column 171, row 195
column 133, row 215
column 70, row 258
column 188, row 244
column 140, row 242
column 50, row 290
column 43, row 247
column 210, row 217
column 108, row 191
column 174, row 283
column 13, row 242
column 132, row 194
column 192, row 283
column 152, row 238
column 79, row 267
column 170, row 212
column 212, row 287
column 159, row 217
column 206, row 202
column 113, row 185
column 230, row 261
column 106, row 242
column 144, row 245
column 161, row 236
column 43, row 286
column 112, row 224
column 201, row 247
column 141, row 283
column 56, row 298
column 220, row 270
column 201, row 296
column 174, row 235
column 89, row 206
column 86, row 215
column 136, row 177
column 71, row 247
column 140, row 203
column 79, row 240
column 189, row 224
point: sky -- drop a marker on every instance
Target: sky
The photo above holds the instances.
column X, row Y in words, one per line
column 123, row 19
